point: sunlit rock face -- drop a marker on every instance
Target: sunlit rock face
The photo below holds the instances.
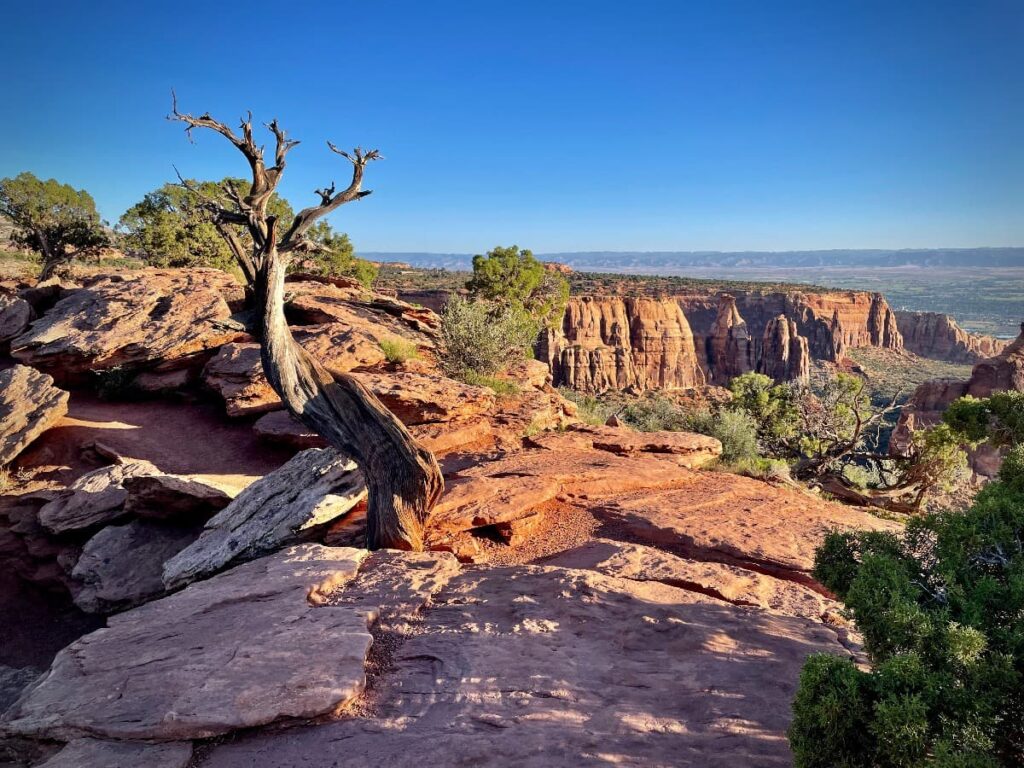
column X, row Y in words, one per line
column 934, row 335
column 680, row 341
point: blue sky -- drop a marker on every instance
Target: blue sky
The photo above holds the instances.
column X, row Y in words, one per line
column 554, row 125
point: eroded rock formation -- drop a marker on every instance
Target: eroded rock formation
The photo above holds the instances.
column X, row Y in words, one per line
column 682, row 341
column 1004, row 372
column 935, row 335
column 29, row 405
column 784, row 353
column 622, row 343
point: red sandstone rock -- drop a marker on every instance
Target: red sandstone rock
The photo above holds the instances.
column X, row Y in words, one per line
column 732, row 350
column 622, row 343
column 934, row 335
column 784, row 353
column 149, row 318
column 29, row 405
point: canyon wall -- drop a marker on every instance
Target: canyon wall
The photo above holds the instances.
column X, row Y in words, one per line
column 934, row 335
column 1004, row 372
column 621, row 343
column 676, row 342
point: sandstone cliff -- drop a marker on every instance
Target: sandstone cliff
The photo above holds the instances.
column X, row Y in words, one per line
column 934, row 335
column 608, row 342
column 622, row 343
column 1002, row 373
column 784, row 353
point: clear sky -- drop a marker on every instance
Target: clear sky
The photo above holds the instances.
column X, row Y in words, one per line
column 556, row 125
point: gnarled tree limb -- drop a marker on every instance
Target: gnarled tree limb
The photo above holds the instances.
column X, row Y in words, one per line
column 402, row 477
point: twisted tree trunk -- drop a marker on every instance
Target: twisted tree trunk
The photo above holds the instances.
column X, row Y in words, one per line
column 402, row 477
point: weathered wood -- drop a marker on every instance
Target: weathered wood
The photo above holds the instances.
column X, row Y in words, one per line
column 403, row 479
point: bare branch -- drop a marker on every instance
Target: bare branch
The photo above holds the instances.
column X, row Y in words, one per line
column 354, row 191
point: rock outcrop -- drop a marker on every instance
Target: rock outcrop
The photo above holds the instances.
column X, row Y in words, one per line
column 162, row 320
column 784, row 352
column 685, row 340
column 211, row 658
column 15, row 314
column 122, row 565
column 731, row 350
column 284, row 507
column 29, row 405
column 622, row 343
column 542, row 666
column 1004, row 372
column 935, row 335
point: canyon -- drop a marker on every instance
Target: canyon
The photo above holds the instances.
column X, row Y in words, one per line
column 183, row 561
column 683, row 341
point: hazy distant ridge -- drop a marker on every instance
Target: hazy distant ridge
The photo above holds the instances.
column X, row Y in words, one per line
column 647, row 260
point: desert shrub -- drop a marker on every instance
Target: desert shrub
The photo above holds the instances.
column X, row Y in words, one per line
column 589, row 409
column 759, row 468
column 513, row 277
column 654, row 414
column 501, row 387
column 941, row 610
column 737, row 431
column 772, row 407
column 397, row 350
column 483, row 337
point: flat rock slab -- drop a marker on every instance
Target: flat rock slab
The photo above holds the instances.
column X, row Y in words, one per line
column 241, row 649
column 97, row 753
column 721, row 581
column 538, row 667
column 689, row 449
column 156, row 318
column 175, row 497
column 512, row 487
column 29, row 405
column 735, row 519
column 122, row 565
column 290, row 504
column 95, row 498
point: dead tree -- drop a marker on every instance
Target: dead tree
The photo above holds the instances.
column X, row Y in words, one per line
column 402, row 477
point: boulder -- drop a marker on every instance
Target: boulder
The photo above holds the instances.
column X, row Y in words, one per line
column 15, row 315
column 281, row 427
column 313, row 301
column 236, row 372
column 122, row 565
column 29, row 405
column 514, row 486
column 96, row 498
column 148, row 318
column 174, row 497
column 242, row 649
column 292, row 503
column 419, row 399
column 98, row 753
